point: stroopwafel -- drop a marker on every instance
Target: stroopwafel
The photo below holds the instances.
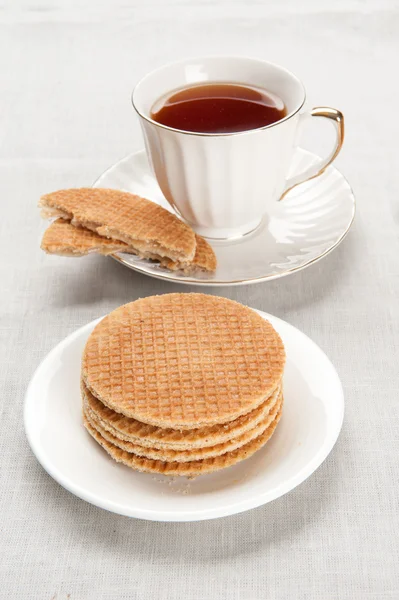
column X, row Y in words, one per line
column 183, row 360
column 65, row 239
column 151, row 436
column 167, row 455
column 190, row 469
column 125, row 217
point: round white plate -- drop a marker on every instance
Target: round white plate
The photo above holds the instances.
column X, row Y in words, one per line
column 310, row 222
column 310, row 424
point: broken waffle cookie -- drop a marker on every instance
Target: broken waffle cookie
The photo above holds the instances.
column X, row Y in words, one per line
column 122, row 222
column 65, row 239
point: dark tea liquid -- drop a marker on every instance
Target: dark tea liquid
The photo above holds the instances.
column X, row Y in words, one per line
column 218, row 108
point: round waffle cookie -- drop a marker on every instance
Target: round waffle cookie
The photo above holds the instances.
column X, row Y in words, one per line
column 192, row 468
column 168, row 455
column 183, row 360
column 150, row 436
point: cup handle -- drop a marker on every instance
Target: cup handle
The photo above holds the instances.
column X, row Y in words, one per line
column 337, row 119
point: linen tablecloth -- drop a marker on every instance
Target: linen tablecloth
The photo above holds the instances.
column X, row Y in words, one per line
column 67, row 70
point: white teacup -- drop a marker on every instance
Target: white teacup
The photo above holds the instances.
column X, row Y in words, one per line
column 222, row 184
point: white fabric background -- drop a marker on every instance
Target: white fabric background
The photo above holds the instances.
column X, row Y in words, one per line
column 67, row 69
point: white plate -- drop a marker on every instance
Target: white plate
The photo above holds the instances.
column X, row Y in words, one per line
column 310, row 222
column 311, row 421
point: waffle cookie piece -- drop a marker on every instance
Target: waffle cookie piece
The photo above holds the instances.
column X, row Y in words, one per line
column 168, row 455
column 204, row 259
column 145, row 226
column 150, row 436
column 64, row 239
column 191, row 468
column 183, row 361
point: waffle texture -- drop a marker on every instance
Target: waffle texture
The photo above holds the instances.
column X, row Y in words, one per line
column 183, row 360
column 192, row 468
column 204, row 259
column 64, row 239
column 168, row 455
column 131, row 430
column 127, row 218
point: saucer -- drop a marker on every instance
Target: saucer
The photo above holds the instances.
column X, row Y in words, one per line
column 304, row 227
column 309, row 427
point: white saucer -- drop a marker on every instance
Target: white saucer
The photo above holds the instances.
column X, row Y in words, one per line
column 310, row 222
column 311, row 421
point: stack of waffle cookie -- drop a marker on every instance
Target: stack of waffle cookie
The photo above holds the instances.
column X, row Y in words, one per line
column 182, row 384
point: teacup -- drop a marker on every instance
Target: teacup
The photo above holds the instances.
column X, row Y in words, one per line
column 223, row 184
